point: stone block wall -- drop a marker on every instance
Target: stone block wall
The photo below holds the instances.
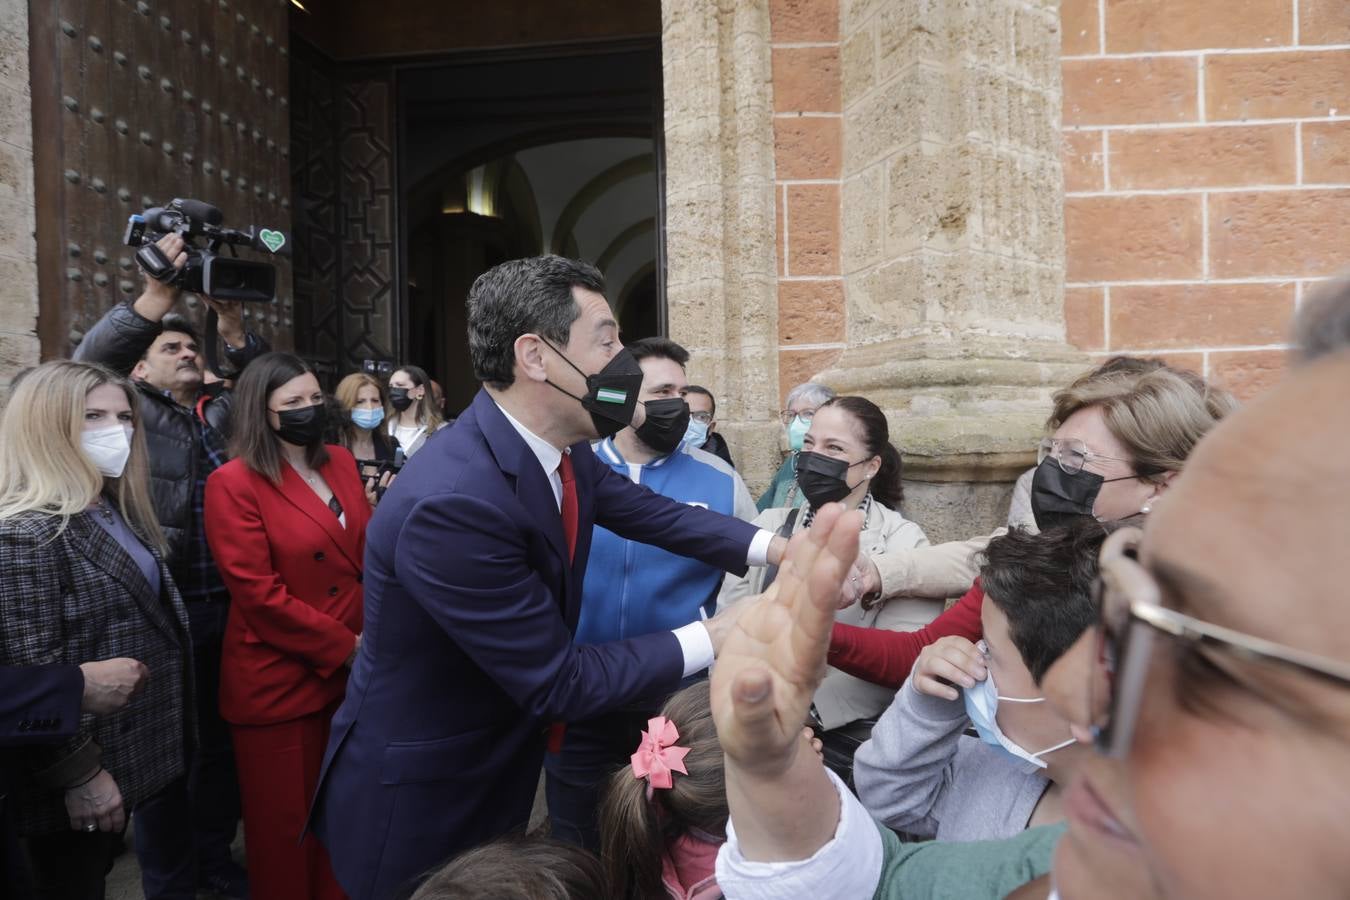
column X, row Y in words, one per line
column 1207, row 170
column 808, row 153
column 18, row 252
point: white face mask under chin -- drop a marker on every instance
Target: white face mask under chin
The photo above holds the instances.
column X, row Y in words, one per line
column 108, row 448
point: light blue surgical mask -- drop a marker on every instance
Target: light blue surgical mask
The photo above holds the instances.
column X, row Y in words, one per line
column 368, row 418
column 982, row 706
column 696, row 435
column 796, row 433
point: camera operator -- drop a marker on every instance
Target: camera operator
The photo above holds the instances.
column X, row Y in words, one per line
column 183, row 836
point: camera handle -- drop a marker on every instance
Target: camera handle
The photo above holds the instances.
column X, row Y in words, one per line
column 211, row 337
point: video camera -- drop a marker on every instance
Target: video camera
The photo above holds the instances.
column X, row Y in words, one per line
column 207, row 272
column 376, row 469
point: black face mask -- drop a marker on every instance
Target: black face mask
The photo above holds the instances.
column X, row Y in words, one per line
column 303, row 427
column 611, row 394
column 1060, row 500
column 823, row 478
column 399, row 399
column 667, row 421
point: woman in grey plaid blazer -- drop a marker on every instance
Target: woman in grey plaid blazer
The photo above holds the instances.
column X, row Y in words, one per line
column 84, row 578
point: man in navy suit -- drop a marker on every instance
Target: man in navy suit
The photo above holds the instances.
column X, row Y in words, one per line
column 473, row 573
column 42, row 705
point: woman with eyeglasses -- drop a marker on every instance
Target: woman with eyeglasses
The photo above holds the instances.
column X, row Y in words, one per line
column 801, row 406
column 1217, row 688
column 1117, row 439
column 286, row 520
column 85, row 579
column 847, row 457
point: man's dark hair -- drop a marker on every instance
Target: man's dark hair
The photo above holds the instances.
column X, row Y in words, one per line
column 1322, row 326
column 177, row 323
column 523, row 296
column 700, row 389
column 659, row 348
column 518, row 868
column 1044, row 584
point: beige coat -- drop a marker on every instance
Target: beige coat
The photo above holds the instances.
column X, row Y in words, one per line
column 841, row 698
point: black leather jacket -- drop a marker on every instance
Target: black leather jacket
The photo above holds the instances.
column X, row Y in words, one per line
column 118, row 341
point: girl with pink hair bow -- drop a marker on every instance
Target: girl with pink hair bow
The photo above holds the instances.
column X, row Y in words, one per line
column 664, row 816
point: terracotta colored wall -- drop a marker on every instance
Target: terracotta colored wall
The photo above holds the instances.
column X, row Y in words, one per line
column 1207, row 170
column 808, row 146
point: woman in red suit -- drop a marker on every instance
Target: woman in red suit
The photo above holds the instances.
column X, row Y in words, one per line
column 286, row 520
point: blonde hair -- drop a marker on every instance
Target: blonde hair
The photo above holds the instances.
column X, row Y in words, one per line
column 1159, row 415
column 42, row 466
column 347, row 392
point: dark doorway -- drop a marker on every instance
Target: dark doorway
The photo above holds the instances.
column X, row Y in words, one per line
column 508, row 154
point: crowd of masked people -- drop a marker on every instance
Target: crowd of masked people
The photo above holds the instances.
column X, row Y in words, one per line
column 1138, row 687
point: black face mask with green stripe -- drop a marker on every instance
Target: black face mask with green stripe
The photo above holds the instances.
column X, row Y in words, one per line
column 611, row 394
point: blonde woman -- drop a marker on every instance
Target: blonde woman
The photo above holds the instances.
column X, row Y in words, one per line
column 416, row 416
column 85, row 579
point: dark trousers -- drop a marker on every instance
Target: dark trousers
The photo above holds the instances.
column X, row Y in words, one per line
column 577, row 777
column 72, row 865
column 183, row 834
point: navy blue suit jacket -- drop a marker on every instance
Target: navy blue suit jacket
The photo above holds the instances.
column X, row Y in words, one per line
column 467, row 653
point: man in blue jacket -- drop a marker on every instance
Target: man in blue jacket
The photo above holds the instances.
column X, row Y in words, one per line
column 634, row 588
column 474, row 564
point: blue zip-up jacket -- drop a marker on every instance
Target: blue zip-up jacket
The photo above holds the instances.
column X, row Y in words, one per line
column 633, row 589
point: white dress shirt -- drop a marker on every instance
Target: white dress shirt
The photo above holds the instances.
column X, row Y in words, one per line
column 694, row 640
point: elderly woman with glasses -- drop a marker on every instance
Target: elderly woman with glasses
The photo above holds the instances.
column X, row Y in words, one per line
column 801, row 406
column 1117, row 438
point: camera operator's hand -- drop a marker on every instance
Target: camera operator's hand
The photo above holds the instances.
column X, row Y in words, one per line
column 231, row 316
column 158, row 298
column 375, row 489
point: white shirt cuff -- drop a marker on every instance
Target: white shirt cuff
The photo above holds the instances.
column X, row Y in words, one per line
column 848, row 867
column 696, row 644
column 758, row 554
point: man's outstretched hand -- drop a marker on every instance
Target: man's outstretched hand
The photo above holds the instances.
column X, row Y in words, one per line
column 773, row 659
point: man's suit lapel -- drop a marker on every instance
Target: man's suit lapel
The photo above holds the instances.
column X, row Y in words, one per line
column 103, row 551
column 516, row 459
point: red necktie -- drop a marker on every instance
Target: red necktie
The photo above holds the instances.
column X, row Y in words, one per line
column 569, row 524
column 569, row 505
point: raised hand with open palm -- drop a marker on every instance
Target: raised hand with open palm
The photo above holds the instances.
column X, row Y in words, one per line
column 766, row 673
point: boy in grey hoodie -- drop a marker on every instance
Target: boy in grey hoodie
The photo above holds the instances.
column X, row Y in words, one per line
column 920, row 773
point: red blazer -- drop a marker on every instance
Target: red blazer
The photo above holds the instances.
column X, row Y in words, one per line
column 294, row 574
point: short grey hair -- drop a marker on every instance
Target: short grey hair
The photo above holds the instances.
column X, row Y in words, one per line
column 815, row 394
column 1322, row 326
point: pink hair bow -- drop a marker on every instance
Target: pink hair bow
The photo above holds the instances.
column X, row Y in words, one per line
column 657, row 756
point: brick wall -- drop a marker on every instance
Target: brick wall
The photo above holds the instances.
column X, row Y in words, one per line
column 1207, row 171
column 808, row 147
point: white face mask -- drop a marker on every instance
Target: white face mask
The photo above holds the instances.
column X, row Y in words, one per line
column 108, row 448
column 982, row 706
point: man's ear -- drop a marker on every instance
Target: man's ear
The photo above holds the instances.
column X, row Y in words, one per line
column 139, row 371
column 529, row 352
column 712, row 426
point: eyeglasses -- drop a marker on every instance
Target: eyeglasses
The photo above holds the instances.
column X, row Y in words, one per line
column 1071, row 454
column 1133, row 617
column 787, row 415
column 703, row 418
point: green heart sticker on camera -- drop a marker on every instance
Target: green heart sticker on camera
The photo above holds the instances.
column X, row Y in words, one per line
column 272, row 240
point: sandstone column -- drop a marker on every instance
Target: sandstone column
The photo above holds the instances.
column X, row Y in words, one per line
column 18, row 252
column 952, row 241
column 720, row 214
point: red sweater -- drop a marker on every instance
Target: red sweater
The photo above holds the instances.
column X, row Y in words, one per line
column 885, row 657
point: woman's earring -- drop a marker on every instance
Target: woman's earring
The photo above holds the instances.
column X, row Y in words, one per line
column 1146, row 508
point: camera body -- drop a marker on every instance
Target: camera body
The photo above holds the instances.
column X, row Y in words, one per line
column 207, row 271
